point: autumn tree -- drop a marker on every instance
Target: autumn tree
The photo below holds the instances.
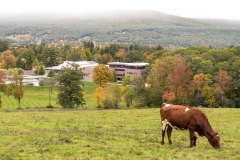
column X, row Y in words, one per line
column 102, row 75
column 201, row 92
column 113, row 96
column 99, row 95
column 70, row 87
column 8, row 60
column 16, row 87
column 178, row 80
column 120, row 55
column 168, row 97
column 223, row 82
column 157, row 79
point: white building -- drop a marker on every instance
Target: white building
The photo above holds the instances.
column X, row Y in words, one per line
column 87, row 68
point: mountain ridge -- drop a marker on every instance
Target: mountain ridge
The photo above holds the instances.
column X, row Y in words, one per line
column 124, row 27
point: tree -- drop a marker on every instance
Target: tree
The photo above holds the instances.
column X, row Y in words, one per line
column 89, row 44
column 16, row 85
column 41, row 71
column 222, row 84
column 113, row 96
column 120, row 55
column 157, row 79
column 116, row 94
column 199, row 65
column 102, row 75
column 4, row 45
column 51, row 82
column 50, row 56
column 196, row 88
column 8, row 60
column 141, row 92
column 178, row 79
column 70, row 87
column 126, row 80
column 88, row 54
column 3, row 76
column 129, row 96
column 168, row 97
column 51, row 73
column 26, row 58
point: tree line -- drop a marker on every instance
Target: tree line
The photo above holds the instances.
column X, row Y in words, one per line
column 196, row 75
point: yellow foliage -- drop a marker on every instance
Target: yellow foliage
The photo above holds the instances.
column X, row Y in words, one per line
column 123, row 89
column 102, row 75
column 100, row 94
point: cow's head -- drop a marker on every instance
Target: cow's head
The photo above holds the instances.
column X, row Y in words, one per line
column 214, row 139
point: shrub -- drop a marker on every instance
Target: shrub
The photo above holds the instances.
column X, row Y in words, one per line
column 108, row 103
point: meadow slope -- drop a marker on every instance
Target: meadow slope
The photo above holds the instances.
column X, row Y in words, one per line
column 110, row 134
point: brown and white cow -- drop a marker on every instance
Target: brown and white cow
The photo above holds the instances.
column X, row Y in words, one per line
column 183, row 117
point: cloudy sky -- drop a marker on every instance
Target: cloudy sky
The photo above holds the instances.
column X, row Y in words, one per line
column 221, row 9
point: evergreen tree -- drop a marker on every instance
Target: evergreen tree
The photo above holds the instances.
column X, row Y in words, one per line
column 41, row 71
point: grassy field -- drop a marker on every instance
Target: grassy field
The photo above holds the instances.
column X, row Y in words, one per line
column 110, row 134
column 37, row 97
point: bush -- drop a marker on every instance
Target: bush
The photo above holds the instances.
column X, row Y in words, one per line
column 108, row 103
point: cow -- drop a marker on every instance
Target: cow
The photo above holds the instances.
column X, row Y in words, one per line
column 186, row 118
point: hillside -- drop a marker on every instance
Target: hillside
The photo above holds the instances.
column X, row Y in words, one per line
column 141, row 27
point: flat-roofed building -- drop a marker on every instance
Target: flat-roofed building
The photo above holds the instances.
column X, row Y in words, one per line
column 122, row 69
column 87, row 68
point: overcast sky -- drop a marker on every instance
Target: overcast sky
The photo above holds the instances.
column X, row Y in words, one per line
column 221, row 9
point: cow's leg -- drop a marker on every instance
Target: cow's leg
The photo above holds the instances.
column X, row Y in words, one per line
column 169, row 132
column 195, row 138
column 194, row 141
column 164, row 127
column 191, row 135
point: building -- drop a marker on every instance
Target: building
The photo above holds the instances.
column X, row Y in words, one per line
column 87, row 68
column 122, row 69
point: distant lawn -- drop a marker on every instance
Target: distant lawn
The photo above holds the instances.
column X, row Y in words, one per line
column 38, row 97
column 110, row 134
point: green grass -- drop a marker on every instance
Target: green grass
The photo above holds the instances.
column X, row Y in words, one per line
column 38, row 97
column 110, row 134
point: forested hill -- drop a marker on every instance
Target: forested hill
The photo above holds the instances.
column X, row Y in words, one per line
column 129, row 27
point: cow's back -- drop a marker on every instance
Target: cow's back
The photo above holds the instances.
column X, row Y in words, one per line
column 178, row 116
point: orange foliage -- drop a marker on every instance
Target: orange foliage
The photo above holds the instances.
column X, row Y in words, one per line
column 169, row 97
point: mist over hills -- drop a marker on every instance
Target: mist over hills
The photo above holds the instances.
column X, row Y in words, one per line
column 124, row 27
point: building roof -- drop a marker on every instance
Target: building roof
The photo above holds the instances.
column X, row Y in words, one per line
column 128, row 64
column 82, row 64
